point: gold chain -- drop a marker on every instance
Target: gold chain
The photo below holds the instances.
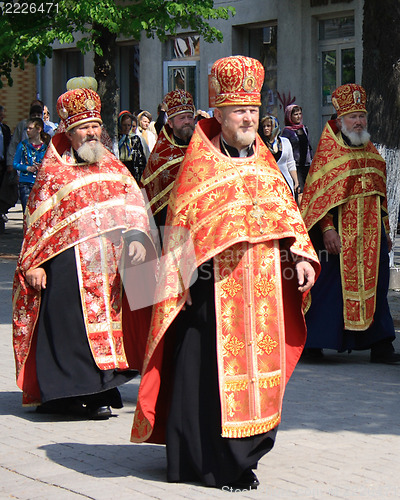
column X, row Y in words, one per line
column 361, row 167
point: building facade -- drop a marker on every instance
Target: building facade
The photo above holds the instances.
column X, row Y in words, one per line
column 308, row 48
column 17, row 99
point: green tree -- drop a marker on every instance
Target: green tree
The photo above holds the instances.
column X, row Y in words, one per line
column 28, row 32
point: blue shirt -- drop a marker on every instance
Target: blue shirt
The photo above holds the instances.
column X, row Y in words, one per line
column 26, row 155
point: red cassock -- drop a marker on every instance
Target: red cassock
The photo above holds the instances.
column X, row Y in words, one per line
column 353, row 180
column 161, row 170
column 240, row 213
column 87, row 208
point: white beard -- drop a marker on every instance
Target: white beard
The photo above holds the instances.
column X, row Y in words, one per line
column 92, row 153
column 356, row 138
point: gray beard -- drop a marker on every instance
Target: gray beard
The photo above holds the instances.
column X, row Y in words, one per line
column 92, row 153
column 186, row 133
column 244, row 140
column 356, row 138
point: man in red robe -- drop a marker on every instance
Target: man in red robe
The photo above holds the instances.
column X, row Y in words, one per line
column 344, row 208
column 166, row 158
column 220, row 354
column 71, row 350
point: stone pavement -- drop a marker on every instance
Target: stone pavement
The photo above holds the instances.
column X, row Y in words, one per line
column 339, row 436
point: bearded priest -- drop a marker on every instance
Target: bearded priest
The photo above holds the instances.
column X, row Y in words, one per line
column 85, row 221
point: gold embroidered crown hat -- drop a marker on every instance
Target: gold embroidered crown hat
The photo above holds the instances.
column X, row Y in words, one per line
column 237, row 81
column 78, row 106
column 178, row 101
column 349, row 98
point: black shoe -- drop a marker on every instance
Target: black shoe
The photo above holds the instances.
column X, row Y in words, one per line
column 101, row 413
column 68, row 406
column 391, row 358
column 247, row 481
column 312, row 353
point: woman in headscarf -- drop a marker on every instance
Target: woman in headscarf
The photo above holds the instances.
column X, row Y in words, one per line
column 297, row 134
column 281, row 150
column 130, row 146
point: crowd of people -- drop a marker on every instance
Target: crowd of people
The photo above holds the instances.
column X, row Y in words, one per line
column 208, row 258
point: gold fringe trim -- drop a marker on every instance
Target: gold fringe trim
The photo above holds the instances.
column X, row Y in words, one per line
column 247, row 429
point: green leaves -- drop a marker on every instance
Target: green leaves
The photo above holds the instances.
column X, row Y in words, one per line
column 28, row 37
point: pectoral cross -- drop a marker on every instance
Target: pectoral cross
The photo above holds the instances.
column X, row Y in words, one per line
column 98, row 216
column 257, row 213
column 363, row 183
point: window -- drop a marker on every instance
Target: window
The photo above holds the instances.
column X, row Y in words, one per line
column 337, row 57
column 339, row 27
column 262, row 44
column 66, row 64
column 181, row 72
column 181, row 75
column 186, row 47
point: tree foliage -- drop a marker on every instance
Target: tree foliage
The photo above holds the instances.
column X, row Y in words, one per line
column 28, row 32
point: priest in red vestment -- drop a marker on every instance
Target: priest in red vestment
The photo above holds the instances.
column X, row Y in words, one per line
column 220, row 354
column 85, row 222
column 166, row 158
column 345, row 209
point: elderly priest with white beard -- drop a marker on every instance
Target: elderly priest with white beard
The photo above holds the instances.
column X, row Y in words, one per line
column 344, row 207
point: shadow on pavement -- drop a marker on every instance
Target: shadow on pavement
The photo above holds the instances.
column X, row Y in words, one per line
column 105, row 461
column 343, row 393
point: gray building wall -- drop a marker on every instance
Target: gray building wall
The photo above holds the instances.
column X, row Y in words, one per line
column 298, row 51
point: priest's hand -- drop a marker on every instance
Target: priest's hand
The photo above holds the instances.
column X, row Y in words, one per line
column 332, row 241
column 305, row 275
column 37, row 278
column 137, row 251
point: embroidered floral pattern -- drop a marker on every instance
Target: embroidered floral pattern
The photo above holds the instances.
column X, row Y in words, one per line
column 231, row 287
column 233, row 345
column 71, row 198
column 266, row 343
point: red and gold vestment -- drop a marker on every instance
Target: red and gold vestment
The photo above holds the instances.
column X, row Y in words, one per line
column 353, row 179
column 88, row 208
column 161, row 169
column 260, row 329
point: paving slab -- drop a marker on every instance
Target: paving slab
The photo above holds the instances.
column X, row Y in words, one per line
column 339, row 436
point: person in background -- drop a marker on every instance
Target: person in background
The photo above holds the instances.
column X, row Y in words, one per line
column 344, row 208
column 5, row 138
column 144, row 120
column 50, row 127
column 167, row 155
column 201, row 115
column 19, row 134
column 281, row 150
column 29, row 156
column 130, row 146
column 297, row 133
column 161, row 117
